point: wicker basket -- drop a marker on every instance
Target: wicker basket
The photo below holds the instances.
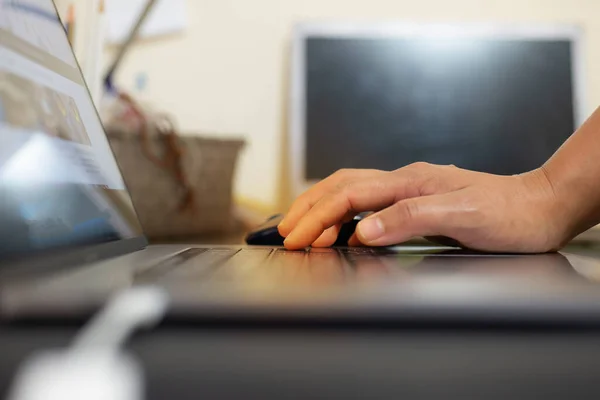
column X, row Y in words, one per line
column 208, row 165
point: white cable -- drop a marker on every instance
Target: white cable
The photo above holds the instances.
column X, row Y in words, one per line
column 133, row 309
column 95, row 367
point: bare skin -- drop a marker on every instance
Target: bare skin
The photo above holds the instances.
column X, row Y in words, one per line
column 535, row 212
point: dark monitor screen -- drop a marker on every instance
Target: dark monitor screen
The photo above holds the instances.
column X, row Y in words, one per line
column 60, row 186
column 502, row 106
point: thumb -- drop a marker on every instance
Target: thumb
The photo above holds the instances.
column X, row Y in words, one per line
column 409, row 218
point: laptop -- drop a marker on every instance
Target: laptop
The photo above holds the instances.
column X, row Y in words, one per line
column 70, row 237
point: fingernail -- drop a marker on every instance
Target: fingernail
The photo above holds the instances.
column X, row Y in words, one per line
column 370, row 229
column 282, row 229
column 286, row 244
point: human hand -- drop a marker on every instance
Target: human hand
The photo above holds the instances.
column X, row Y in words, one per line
column 480, row 211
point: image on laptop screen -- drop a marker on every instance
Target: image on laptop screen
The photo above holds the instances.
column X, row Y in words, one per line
column 59, row 183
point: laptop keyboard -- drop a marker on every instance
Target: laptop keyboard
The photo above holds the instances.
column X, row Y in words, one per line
column 198, row 264
column 256, row 270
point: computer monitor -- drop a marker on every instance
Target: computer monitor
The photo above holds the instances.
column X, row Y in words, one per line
column 497, row 99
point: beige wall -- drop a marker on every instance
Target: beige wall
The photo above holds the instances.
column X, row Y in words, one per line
column 227, row 74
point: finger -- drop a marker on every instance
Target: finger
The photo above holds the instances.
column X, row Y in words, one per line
column 354, row 241
column 372, row 194
column 420, row 216
column 357, row 196
column 309, row 198
column 328, row 238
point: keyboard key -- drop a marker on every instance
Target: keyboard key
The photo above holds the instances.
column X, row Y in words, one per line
column 326, row 266
column 203, row 266
column 242, row 264
column 163, row 267
column 356, row 250
column 323, row 250
column 367, row 268
column 286, row 266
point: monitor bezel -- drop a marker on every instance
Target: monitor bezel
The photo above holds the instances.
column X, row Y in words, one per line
column 303, row 31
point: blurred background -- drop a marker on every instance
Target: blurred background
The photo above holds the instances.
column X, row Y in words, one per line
column 281, row 82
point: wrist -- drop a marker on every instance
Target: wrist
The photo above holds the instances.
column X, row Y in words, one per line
column 550, row 204
column 573, row 173
column 575, row 195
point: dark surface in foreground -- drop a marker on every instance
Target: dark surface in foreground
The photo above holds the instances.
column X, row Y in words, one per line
column 184, row 362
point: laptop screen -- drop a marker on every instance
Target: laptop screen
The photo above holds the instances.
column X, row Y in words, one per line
column 60, row 186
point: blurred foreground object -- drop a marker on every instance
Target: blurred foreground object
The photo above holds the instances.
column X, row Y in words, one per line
column 95, row 367
column 180, row 185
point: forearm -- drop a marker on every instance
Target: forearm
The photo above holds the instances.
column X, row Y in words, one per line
column 574, row 173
